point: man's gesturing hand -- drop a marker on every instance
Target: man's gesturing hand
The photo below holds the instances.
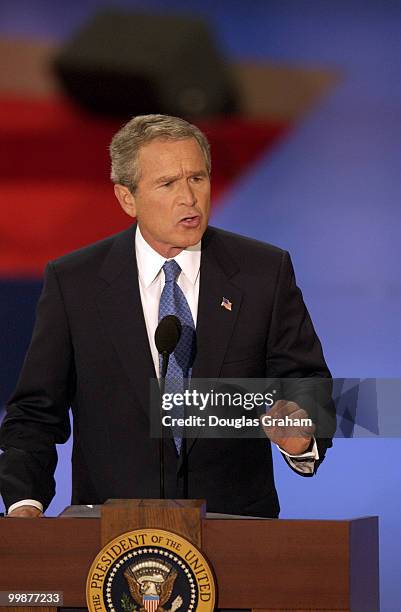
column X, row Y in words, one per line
column 25, row 512
column 294, row 440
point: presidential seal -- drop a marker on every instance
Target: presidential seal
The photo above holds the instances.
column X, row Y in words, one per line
column 150, row 570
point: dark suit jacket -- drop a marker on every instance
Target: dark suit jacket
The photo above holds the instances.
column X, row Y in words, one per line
column 90, row 350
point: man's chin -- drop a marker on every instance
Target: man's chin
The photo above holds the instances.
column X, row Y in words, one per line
column 188, row 237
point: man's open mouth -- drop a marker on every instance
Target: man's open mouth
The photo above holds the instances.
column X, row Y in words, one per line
column 191, row 221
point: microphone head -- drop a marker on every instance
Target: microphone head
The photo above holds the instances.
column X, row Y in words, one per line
column 167, row 334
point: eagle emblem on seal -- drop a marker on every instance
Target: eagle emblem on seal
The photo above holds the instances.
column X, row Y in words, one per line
column 151, row 584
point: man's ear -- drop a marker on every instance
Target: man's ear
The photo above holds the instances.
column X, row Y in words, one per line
column 126, row 199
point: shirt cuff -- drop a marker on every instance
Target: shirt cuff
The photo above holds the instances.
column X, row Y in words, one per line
column 303, row 463
column 26, row 502
column 312, row 454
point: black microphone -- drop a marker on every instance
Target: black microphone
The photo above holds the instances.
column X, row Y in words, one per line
column 167, row 336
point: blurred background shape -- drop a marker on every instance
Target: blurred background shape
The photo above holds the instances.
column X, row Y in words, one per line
column 122, row 63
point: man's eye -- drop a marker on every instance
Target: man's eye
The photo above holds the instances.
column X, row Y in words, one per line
column 197, row 179
column 168, row 184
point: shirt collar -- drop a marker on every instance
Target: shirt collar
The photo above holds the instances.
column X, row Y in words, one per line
column 150, row 262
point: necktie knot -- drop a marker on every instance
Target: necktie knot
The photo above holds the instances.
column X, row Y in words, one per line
column 171, row 270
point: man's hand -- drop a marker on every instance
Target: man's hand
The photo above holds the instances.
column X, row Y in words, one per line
column 292, row 439
column 25, row 512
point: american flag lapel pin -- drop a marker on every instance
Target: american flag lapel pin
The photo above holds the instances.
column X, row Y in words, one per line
column 225, row 303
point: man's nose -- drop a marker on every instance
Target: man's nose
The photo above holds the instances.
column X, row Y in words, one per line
column 186, row 194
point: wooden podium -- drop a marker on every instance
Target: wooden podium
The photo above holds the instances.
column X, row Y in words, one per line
column 260, row 564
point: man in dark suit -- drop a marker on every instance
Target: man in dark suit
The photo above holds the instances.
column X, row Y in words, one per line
column 93, row 344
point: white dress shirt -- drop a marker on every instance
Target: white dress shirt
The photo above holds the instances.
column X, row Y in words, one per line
column 152, row 279
column 151, row 283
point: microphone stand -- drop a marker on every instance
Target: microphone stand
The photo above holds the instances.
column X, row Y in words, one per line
column 184, row 461
column 165, row 357
column 184, row 455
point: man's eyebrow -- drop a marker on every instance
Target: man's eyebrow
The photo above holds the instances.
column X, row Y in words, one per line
column 199, row 173
column 171, row 178
column 167, row 179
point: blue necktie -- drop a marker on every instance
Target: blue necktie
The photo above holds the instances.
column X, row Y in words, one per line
column 173, row 302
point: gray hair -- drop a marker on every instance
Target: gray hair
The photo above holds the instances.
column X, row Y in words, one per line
column 140, row 130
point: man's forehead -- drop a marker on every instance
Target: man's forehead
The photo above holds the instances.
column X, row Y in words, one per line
column 159, row 150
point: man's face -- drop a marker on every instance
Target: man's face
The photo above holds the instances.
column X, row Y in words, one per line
column 172, row 199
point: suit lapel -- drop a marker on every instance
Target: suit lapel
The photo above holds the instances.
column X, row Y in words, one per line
column 215, row 323
column 121, row 311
